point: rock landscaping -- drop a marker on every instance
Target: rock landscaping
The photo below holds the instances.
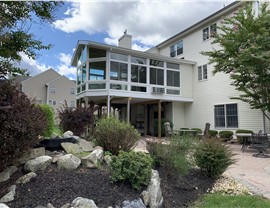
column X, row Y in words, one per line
column 44, row 177
column 60, row 179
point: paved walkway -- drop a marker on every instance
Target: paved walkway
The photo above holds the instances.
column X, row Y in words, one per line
column 253, row 172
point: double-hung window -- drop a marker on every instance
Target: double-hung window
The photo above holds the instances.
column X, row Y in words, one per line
column 209, row 31
column 176, row 49
column 226, row 116
column 202, row 72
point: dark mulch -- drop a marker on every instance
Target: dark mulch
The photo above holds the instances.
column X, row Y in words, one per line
column 61, row 187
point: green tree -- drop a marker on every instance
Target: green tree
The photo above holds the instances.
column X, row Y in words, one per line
column 15, row 38
column 245, row 55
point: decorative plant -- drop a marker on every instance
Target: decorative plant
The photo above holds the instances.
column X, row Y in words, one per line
column 49, row 113
column 134, row 167
column 21, row 123
column 114, row 135
column 213, row 157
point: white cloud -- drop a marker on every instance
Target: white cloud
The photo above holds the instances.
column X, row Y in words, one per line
column 149, row 22
column 64, row 67
column 34, row 67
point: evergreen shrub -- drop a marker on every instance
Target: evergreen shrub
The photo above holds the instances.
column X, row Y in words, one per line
column 114, row 135
column 213, row 133
column 226, row 135
column 133, row 167
column 213, row 157
column 49, row 113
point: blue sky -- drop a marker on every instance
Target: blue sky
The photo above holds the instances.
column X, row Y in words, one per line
column 104, row 21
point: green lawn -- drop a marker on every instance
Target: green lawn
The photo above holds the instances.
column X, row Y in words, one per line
column 57, row 130
column 220, row 201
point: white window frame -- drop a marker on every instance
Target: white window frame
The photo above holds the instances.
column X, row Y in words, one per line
column 52, row 90
column 175, row 49
column 209, row 32
column 72, row 91
column 202, row 72
column 226, row 116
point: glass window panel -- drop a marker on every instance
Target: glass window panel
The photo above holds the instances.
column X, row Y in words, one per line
column 156, row 76
column 205, row 71
column 169, row 78
column 84, row 73
column 199, row 73
column 153, row 76
column 138, row 74
column 173, row 92
column 172, row 51
column 176, row 79
column 119, row 57
column 219, row 116
column 97, row 70
column 118, row 71
column 118, row 87
column 96, row 53
column 160, row 76
column 205, row 33
column 83, row 87
column 138, row 60
column 138, row 88
column 79, row 76
column 172, row 65
column 173, row 78
column 232, row 115
column 78, row 90
column 156, row 63
column 180, row 48
column 213, row 30
column 97, row 86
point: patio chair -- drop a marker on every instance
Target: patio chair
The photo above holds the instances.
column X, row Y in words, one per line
column 261, row 143
column 168, row 130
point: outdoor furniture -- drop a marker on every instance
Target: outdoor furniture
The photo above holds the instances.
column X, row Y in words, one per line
column 169, row 131
column 261, row 143
column 246, row 140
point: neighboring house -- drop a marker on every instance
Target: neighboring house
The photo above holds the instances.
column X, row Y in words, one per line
column 172, row 80
column 50, row 88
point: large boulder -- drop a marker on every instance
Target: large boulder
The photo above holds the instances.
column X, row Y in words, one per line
column 133, row 204
column 2, row 205
column 80, row 202
column 10, row 195
column 85, row 146
column 32, row 154
column 26, row 178
column 153, row 195
column 94, row 159
column 5, row 175
column 68, row 134
column 71, row 148
column 39, row 163
column 68, row 162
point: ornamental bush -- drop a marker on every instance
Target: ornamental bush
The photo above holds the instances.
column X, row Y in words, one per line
column 133, row 167
column 213, row 133
column 213, row 157
column 225, row 134
column 78, row 120
column 114, row 135
column 21, row 123
column 49, row 113
column 198, row 130
column 174, row 156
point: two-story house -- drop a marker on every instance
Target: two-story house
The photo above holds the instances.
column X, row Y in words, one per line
column 51, row 88
column 172, row 80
